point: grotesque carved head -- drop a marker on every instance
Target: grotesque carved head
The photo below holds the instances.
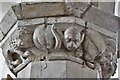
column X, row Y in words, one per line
column 13, row 59
column 72, row 38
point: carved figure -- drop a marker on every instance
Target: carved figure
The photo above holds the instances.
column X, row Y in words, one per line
column 13, row 59
column 108, row 69
column 93, row 45
column 72, row 38
column 69, row 39
column 87, row 45
column 43, row 38
column 106, row 61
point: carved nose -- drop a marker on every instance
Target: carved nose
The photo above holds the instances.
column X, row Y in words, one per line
column 71, row 47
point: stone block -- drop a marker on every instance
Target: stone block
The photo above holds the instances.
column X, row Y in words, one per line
column 102, row 19
column 64, row 26
column 42, row 10
column 75, row 70
column 42, row 1
column 66, row 20
column 18, row 11
column 80, row 21
column 57, row 69
column 119, row 68
column 61, row 20
column 5, row 43
column 94, row 3
column 107, row 7
column 25, row 73
column 1, row 35
column 54, row 69
column 8, row 21
column 118, row 44
column 78, row 8
column 119, row 8
column 31, row 22
column 52, row 20
column 102, row 30
column 114, row 23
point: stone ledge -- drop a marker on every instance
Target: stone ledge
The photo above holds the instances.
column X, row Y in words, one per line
column 31, row 22
column 36, row 10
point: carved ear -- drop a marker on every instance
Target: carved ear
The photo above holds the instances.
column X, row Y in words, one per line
column 82, row 37
column 57, row 34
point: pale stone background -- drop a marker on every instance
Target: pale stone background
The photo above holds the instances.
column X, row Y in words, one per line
column 4, row 8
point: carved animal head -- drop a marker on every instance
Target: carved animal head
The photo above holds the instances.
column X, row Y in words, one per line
column 105, row 57
column 72, row 38
column 108, row 69
column 13, row 59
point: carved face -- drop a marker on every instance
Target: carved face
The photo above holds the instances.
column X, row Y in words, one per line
column 105, row 57
column 72, row 38
column 108, row 69
column 13, row 58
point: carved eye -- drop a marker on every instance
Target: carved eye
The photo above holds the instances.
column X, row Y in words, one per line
column 108, row 56
column 76, row 40
column 68, row 39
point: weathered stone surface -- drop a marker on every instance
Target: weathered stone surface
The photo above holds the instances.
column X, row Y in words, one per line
column 18, row 11
column 114, row 23
column 96, row 16
column 42, row 1
column 64, row 26
column 102, row 30
column 77, row 8
column 61, row 20
column 94, row 3
column 102, row 19
column 52, row 20
column 4, row 7
column 5, row 45
column 25, row 73
column 54, row 69
column 57, row 69
column 108, row 7
column 80, row 21
column 119, row 8
column 119, row 68
column 66, row 19
column 31, row 22
column 1, row 35
column 118, row 40
column 8, row 21
column 75, row 70
column 42, row 9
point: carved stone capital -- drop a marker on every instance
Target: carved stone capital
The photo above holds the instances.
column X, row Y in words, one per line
column 59, row 35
